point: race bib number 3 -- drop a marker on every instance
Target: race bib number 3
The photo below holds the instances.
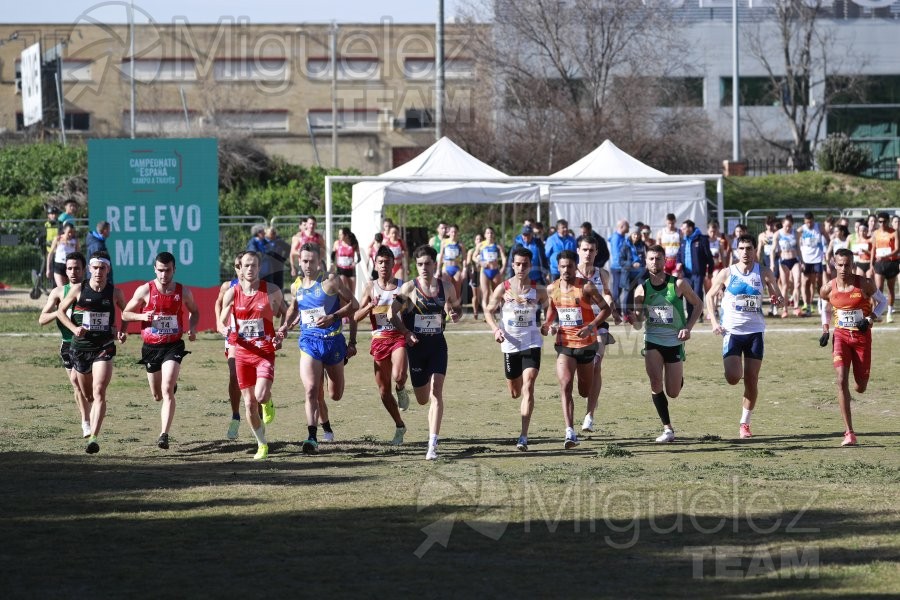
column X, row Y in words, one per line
column 251, row 328
column 309, row 316
column 747, row 303
column 849, row 318
column 164, row 324
column 661, row 315
column 95, row 321
column 427, row 324
column 570, row 316
column 381, row 318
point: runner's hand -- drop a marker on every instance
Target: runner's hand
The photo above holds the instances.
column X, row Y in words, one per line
column 498, row 335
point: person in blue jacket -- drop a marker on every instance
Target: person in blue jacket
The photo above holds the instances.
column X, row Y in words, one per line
column 556, row 243
column 539, row 267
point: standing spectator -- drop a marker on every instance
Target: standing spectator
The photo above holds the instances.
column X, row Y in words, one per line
column 602, row 249
column 528, row 240
column 695, row 258
column 556, row 243
column 69, row 208
column 437, row 239
column 633, row 265
column 51, row 227
column 538, row 230
column 96, row 242
column 259, row 244
column 615, row 250
column 279, row 251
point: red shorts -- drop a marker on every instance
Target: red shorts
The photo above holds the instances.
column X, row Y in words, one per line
column 250, row 367
column 384, row 346
column 853, row 348
column 671, row 263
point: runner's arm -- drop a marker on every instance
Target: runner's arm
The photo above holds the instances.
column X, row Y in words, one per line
column 48, row 313
column 134, row 309
column 64, row 306
column 193, row 313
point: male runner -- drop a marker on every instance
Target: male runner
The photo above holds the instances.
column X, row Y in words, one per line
column 660, row 301
column 886, row 259
column 157, row 305
column 321, row 302
column 94, row 336
column 234, row 390
column 813, row 243
column 518, row 333
column 75, row 264
column 743, row 323
column 576, row 334
column 851, row 297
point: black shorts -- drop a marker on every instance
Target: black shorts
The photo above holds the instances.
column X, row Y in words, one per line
column 514, row 363
column 887, row 268
column 788, row 263
column 670, row 354
column 351, row 272
column 83, row 360
column 812, row 268
column 428, row 357
column 59, row 268
column 864, row 266
column 153, row 356
column 582, row 356
column 65, row 353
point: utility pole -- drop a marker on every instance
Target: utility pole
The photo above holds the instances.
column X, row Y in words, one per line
column 131, row 35
column 439, row 72
column 735, row 87
column 334, row 99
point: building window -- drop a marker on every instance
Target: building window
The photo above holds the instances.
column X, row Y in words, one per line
column 153, row 70
column 365, row 119
column 348, row 69
column 75, row 121
column 251, row 69
column 869, row 89
column 423, row 68
column 761, row 91
column 419, row 118
column 76, row 71
column 257, row 121
column 158, row 121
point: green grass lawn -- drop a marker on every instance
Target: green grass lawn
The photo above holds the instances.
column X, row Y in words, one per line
column 786, row 514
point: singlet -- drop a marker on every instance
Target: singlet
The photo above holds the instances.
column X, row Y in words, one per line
column 518, row 321
column 315, row 238
column 769, row 243
column 787, row 242
column 838, row 244
column 714, row 248
column 597, row 280
column 860, row 246
column 489, row 253
column 885, row 244
column 95, row 312
column 812, row 244
column 314, row 302
column 671, row 242
column 166, row 326
column 381, row 323
column 742, row 302
column 664, row 312
column 573, row 313
column 850, row 306
column 451, row 252
column 344, row 258
column 64, row 331
column 426, row 316
column 64, row 247
column 397, row 248
column 253, row 316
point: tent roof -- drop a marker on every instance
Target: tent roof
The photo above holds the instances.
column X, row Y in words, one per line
column 608, row 161
column 444, row 159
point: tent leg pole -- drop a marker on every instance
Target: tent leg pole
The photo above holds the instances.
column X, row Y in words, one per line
column 720, row 200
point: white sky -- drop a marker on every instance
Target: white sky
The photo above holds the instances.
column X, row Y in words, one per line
column 208, row 11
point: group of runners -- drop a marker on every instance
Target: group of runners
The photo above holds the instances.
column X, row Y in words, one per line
column 408, row 319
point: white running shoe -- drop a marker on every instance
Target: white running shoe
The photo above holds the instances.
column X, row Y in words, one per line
column 522, row 444
column 668, row 436
column 403, row 398
column 233, row 427
column 571, row 439
column 86, row 429
column 588, row 423
column 398, row 436
column 328, row 436
column 432, row 453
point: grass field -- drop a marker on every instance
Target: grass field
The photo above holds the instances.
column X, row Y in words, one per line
column 787, row 514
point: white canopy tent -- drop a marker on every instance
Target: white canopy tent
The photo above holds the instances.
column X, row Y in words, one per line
column 634, row 191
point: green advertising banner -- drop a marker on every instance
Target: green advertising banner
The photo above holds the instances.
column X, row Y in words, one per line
column 158, row 195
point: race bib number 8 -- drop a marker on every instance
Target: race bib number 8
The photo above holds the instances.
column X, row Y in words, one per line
column 427, row 324
column 570, row 316
column 747, row 303
column 164, row 324
column 94, row 321
column 251, row 328
column 661, row 315
column 309, row 316
column 849, row 318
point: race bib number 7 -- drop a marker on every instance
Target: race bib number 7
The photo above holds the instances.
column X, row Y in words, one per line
column 427, row 324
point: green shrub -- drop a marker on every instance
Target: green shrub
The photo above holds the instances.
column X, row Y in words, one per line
column 32, row 169
column 840, row 155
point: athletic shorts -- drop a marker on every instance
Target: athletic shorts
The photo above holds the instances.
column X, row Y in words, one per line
column 452, row 270
column 329, row 350
column 154, row 355
column 812, row 268
column 788, row 263
column 670, row 265
column 59, row 268
column 350, row 272
column 65, row 353
column 749, row 345
column 474, row 281
column 384, row 346
column 887, row 268
column 428, row 357
column 250, row 367
column 491, row 273
column 582, row 356
column 864, row 266
column 852, row 348
column 514, row 363
column 83, row 360
column 670, row 354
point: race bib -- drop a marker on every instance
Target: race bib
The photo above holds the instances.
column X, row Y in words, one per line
column 308, row 316
column 396, row 250
column 857, row 248
column 250, row 328
column 164, row 324
column 661, row 315
column 849, row 318
column 570, row 316
column 809, row 242
column 382, row 321
column 345, row 262
column 882, row 252
column 451, row 252
column 427, row 324
column 95, row 321
column 785, row 243
column 518, row 316
column 747, row 303
column 491, row 256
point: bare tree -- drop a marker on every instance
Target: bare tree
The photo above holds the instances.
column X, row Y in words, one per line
column 801, row 58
